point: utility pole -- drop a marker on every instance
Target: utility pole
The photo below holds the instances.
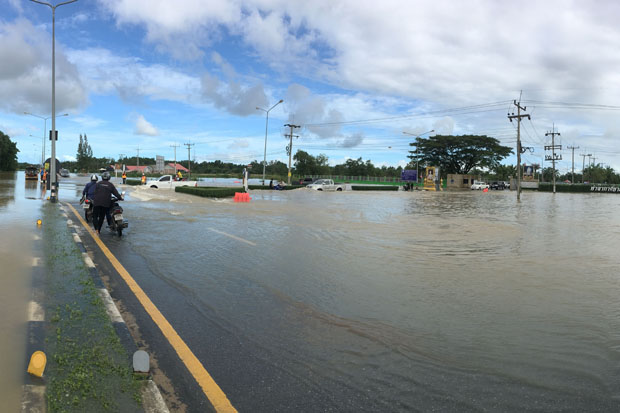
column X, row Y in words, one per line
column 583, row 166
column 175, row 146
column 553, row 157
column 573, row 149
column 518, row 116
column 594, row 158
column 289, row 148
column 189, row 160
column 138, row 158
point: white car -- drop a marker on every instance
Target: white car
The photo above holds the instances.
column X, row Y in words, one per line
column 168, row 182
column 325, row 185
column 480, row 185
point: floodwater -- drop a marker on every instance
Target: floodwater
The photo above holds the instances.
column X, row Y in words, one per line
column 452, row 301
column 19, row 210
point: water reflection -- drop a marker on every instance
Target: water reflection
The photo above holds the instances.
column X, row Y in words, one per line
column 17, row 226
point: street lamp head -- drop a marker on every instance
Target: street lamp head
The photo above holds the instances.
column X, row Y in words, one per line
column 281, row 100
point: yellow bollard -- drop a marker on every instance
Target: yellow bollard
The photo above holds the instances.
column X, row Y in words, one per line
column 39, row 222
column 37, row 363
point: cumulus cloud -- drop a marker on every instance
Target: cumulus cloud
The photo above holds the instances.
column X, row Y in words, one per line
column 69, row 158
column 309, row 109
column 143, row 127
column 231, row 95
column 353, row 140
column 25, row 82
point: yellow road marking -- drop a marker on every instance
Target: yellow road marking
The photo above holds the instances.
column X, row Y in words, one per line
column 232, row 236
column 210, row 388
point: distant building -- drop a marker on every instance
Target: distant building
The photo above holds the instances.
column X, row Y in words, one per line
column 459, row 181
column 148, row 169
column 169, row 169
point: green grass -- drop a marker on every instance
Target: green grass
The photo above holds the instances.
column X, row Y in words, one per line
column 88, row 368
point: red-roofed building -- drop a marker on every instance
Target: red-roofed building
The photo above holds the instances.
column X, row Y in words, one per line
column 169, row 168
column 140, row 169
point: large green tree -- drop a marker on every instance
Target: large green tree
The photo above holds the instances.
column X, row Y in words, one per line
column 459, row 154
column 8, row 153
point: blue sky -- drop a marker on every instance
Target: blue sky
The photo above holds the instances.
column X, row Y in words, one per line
column 354, row 74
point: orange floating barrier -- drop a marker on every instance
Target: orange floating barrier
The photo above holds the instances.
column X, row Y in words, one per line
column 485, row 190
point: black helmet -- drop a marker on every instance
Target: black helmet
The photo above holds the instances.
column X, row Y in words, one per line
column 105, row 176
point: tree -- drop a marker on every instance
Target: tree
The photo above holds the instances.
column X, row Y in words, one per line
column 305, row 164
column 8, row 153
column 84, row 154
column 459, row 154
column 503, row 172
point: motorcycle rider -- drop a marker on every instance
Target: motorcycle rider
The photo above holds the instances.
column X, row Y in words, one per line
column 89, row 188
column 103, row 199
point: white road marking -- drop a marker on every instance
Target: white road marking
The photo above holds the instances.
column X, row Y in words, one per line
column 87, row 260
column 110, row 307
column 76, row 237
column 232, row 236
column 36, row 261
column 35, row 312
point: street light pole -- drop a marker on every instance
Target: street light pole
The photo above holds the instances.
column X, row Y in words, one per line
column 44, row 129
column 417, row 172
column 54, row 181
column 266, row 127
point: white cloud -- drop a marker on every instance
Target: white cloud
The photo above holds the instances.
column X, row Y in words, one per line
column 69, row 158
column 25, row 82
column 143, row 127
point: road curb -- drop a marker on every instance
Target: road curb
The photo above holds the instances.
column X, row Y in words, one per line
column 152, row 400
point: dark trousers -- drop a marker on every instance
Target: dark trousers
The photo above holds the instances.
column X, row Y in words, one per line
column 100, row 213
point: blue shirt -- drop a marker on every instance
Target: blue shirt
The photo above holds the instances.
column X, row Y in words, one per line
column 89, row 189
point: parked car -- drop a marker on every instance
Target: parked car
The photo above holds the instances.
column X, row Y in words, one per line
column 305, row 181
column 506, row 184
column 497, row 185
column 325, row 185
column 480, row 185
column 64, row 173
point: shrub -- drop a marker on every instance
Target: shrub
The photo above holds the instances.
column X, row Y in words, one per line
column 208, row 191
column 133, row 182
column 548, row 187
column 373, row 188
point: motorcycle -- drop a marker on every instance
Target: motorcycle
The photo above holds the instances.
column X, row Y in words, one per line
column 118, row 222
column 87, row 205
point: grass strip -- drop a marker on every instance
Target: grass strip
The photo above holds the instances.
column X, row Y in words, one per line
column 88, row 369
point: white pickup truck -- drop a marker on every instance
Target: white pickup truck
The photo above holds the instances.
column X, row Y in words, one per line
column 167, row 182
column 325, row 185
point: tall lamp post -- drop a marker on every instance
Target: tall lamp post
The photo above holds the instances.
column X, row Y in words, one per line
column 266, row 127
column 44, row 129
column 54, row 181
column 417, row 173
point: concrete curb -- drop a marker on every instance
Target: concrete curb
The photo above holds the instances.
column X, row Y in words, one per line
column 152, row 400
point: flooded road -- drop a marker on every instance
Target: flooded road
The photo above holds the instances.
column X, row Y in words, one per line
column 389, row 301
column 19, row 210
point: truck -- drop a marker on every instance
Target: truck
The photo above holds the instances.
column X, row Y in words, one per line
column 325, row 185
column 168, row 182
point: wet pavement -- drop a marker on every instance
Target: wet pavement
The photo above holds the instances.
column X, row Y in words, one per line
column 19, row 210
column 358, row 301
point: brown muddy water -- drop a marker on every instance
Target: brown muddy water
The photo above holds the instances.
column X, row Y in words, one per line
column 19, row 210
column 452, row 301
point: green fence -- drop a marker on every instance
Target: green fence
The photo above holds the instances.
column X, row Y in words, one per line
column 208, row 191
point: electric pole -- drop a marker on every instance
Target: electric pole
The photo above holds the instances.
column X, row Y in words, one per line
column 573, row 169
column 289, row 148
column 189, row 160
column 583, row 166
column 553, row 157
column 138, row 158
column 175, row 146
column 518, row 116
